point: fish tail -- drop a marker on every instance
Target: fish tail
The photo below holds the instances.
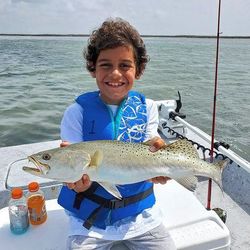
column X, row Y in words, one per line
column 219, row 166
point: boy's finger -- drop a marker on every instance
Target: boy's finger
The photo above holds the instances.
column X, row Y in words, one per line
column 83, row 184
column 70, row 185
column 64, row 144
column 157, row 143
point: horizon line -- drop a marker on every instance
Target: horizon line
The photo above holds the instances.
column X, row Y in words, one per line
column 87, row 35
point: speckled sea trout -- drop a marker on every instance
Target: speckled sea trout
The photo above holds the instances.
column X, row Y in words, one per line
column 113, row 163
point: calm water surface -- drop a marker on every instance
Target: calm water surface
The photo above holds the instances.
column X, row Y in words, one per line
column 40, row 77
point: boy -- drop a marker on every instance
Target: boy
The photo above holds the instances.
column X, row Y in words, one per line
column 115, row 56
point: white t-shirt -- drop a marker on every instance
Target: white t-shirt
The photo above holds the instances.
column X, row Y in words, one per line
column 71, row 131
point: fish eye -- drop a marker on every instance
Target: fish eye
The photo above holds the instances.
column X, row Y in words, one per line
column 46, row 157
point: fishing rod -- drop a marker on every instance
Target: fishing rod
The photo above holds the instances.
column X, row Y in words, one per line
column 214, row 107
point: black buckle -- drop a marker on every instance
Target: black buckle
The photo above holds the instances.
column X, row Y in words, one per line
column 114, row 204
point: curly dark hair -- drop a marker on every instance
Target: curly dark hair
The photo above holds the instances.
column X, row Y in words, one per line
column 114, row 33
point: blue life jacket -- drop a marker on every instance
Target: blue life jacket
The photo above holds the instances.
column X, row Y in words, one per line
column 96, row 206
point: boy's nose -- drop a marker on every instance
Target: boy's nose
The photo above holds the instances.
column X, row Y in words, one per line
column 116, row 73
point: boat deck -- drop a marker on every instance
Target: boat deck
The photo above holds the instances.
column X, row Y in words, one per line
column 190, row 224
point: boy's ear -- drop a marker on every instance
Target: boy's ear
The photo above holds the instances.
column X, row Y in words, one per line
column 93, row 74
column 138, row 76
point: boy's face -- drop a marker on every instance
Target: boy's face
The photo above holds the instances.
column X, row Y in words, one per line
column 115, row 73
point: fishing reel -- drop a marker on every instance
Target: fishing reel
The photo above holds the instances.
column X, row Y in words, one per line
column 221, row 213
column 168, row 110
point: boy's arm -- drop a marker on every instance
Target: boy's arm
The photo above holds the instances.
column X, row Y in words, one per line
column 71, row 125
column 71, row 132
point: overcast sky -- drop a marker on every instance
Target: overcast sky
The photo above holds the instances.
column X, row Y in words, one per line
column 152, row 17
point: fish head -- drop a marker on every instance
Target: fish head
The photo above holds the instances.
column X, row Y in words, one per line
column 61, row 164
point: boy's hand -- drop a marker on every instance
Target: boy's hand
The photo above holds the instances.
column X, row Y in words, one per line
column 64, row 144
column 83, row 184
column 80, row 186
column 157, row 143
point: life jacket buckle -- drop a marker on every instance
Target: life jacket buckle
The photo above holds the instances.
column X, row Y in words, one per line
column 114, row 204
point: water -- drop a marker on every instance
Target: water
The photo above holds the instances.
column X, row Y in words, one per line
column 41, row 76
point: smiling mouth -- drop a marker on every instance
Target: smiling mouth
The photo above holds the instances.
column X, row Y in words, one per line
column 115, row 84
column 41, row 168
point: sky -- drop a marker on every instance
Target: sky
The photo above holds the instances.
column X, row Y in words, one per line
column 150, row 17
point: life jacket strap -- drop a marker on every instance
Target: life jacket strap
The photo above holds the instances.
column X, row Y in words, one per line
column 105, row 203
column 91, row 219
column 86, row 194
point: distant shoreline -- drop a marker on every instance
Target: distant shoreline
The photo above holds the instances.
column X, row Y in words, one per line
column 163, row 36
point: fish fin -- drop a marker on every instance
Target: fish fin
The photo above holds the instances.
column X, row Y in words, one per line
column 96, row 159
column 183, row 146
column 189, row 182
column 220, row 165
column 112, row 189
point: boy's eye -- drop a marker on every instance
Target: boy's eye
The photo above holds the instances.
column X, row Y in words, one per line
column 125, row 66
column 105, row 65
column 122, row 66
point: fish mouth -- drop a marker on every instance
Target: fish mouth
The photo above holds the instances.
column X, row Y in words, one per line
column 40, row 168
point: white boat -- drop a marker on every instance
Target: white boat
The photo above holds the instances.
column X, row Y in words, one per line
column 190, row 224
